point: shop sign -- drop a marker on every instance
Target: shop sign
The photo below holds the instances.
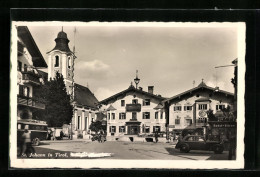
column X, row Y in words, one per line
column 223, row 124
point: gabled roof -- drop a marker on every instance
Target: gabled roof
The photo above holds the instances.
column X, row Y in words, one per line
column 201, row 85
column 84, row 97
column 111, row 108
column 131, row 89
column 27, row 39
column 159, row 106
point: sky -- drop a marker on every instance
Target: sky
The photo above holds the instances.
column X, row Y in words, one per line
column 169, row 57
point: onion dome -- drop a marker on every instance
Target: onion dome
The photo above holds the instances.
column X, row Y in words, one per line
column 62, row 42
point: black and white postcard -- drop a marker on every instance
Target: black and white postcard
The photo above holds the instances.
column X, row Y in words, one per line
column 165, row 95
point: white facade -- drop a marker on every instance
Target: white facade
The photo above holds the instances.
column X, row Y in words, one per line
column 121, row 121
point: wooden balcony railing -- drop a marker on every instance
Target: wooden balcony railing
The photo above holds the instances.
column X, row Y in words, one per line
column 27, row 101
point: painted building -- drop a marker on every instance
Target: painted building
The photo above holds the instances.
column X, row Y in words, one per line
column 190, row 107
column 29, row 60
column 61, row 59
column 134, row 112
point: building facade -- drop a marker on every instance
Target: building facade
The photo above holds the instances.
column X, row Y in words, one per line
column 189, row 109
column 29, row 61
column 85, row 104
column 134, row 112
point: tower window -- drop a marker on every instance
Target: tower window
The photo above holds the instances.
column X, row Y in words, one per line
column 57, row 61
column 69, row 62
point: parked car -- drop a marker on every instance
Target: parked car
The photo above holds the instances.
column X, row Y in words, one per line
column 196, row 142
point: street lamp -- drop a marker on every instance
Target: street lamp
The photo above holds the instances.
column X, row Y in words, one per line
column 137, row 80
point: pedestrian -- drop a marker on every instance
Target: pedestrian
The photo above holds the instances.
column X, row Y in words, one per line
column 26, row 140
column 156, row 136
column 61, row 135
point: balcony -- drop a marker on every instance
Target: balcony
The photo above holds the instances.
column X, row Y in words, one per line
column 133, row 107
column 27, row 101
column 30, row 78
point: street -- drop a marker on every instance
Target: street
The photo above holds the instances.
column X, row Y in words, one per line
column 120, row 150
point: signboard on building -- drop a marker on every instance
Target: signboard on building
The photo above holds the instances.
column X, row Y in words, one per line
column 224, row 124
column 133, row 107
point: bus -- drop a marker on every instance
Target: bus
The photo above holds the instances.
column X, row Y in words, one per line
column 37, row 128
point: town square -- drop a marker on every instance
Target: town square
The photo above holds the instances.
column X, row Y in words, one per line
column 141, row 91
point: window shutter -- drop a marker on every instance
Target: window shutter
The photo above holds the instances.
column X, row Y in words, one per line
column 174, row 108
column 119, row 115
column 185, row 108
column 115, row 129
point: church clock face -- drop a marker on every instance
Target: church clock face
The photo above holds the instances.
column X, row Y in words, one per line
column 202, row 113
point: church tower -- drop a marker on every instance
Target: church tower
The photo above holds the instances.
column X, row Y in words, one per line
column 61, row 59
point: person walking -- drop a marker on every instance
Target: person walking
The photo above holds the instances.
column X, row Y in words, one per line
column 156, row 136
column 26, row 139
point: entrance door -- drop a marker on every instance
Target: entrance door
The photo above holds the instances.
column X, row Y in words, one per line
column 133, row 130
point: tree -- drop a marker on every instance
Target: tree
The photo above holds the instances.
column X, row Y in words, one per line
column 97, row 126
column 58, row 108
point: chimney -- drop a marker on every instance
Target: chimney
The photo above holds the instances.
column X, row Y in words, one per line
column 141, row 88
column 150, row 89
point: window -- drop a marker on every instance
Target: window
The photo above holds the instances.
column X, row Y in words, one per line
column 220, row 107
column 200, row 139
column 146, row 129
column 177, row 108
column 188, row 122
column 122, row 102
column 134, row 116
column 26, row 91
column 177, row 120
column 112, row 129
column 156, row 115
column 92, row 119
column 190, row 139
column 161, row 115
column 156, row 128
column 78, row 122
column 146, row 102
column 108, row 116
column 122, row 115
column 146, row 115
column 203, row 106
column 69, row 62
column 121, row 129
column 113, row 116
column 134, row 101
column 25, row 67
column 187, row 108
column 57, row 61
column 19, row 66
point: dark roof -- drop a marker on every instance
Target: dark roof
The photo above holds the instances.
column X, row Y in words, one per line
column 130, row 89
column 27, row 39
column 84, row 97
column 62, row 43
column 202, row 99
column 201, row 85
column 43, row 74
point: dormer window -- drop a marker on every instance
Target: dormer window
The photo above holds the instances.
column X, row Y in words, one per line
column 69, row 62
column 57, row 61
column 177, row 108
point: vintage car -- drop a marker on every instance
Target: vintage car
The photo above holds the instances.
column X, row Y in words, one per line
column 196, row 142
